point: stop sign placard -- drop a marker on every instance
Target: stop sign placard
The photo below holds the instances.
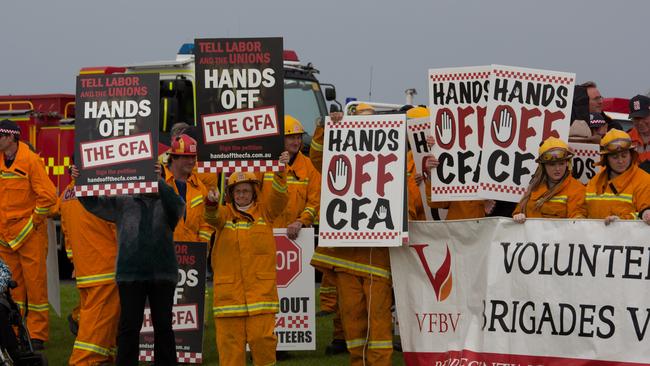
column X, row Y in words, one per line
column 288, row 260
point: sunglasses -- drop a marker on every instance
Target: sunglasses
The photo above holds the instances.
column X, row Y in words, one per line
column 616, row 146
column 555, row 154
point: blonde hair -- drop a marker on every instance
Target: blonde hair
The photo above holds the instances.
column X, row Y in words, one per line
column 540, row 177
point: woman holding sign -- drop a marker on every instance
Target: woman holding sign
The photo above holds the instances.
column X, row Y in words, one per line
column 553, row 192
column 621, row 190
column 243, row 261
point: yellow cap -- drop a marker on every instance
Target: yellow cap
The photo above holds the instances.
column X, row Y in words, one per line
column 241, row 177
column 292, row 126
column 615, row 141
column 364, row 107
column 417, row 112
column 554, row 149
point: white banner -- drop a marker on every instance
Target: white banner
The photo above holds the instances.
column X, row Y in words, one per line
column 547, row 292
column 363, row 182
column 295, row 324
column 526, row 106
column 458, row 99
column 585, row 161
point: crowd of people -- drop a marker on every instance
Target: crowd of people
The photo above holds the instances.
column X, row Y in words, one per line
column 123, row 251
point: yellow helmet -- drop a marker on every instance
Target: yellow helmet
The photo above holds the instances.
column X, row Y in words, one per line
column 364, row 107
column 242, row 177
column 417, row 112
column 615, row 141
column 292, row 126
column 554, row 149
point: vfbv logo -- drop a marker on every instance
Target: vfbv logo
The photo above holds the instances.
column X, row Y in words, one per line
column 441, row 280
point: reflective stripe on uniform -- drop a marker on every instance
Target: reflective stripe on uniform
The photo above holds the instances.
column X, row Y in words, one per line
column 623, row 197
column 41, row 210
column 380, row 344
column 11, row 175
column 278, row 187
column 327, row 290
column 98, row 278
column 205, row 235
column 353, row 343
column 338, row 262
column 38, row 307
column 558, row 199
column 68, row 253
column 316, row 146
column 85, row 346
column 20, row 237
column 246, row 308
column 196, row 201
column 310, row 211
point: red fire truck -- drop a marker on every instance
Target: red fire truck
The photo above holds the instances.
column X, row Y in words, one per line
column 46, row 122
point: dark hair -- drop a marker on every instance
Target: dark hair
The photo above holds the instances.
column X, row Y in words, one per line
column 589, row 84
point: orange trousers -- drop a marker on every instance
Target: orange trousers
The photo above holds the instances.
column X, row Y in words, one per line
column 361, row 299
column 329, row 302
column 257, row 330
column 99, row 316
column 28, row 269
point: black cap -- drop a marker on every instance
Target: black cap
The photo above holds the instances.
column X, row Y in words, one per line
column 9, row 127
column 596, row 120
column 639, row 106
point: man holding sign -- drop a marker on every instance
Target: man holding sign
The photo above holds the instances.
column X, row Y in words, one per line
column 365, row 213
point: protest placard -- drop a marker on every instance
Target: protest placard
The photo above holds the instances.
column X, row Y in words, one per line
column 585, row 161
column 525, row 107
column 240, row 103
column 189, row 306
column 116, row 134
column 458, row 99
column 417, row 131
column 295, row 323
column 363, row 182
column 547, row 292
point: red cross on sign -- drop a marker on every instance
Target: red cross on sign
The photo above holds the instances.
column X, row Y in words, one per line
column 288, row 260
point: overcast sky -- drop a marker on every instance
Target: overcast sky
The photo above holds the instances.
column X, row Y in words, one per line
column 43, row 44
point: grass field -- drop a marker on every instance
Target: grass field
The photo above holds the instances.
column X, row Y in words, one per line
column 61, row 340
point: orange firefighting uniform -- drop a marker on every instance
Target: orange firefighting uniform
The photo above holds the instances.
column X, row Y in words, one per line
column 27, row 193
column 245, row 292
column 364, row 286
column 568, row 202
column 192, row 227
column 624, row 196
column 642, row 147
column 303, row 184
column 416, row 208
column 93, row 244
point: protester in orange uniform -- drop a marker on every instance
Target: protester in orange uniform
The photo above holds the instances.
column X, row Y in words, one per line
column 26, row 193
column 553, row 192
column 94, row 244
column 243, row 261
column 413, row 180
column 179, row 174
column 621, row 190
column 327, row 291
column 303, row 182
column 640, row 134
column 362, row 275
